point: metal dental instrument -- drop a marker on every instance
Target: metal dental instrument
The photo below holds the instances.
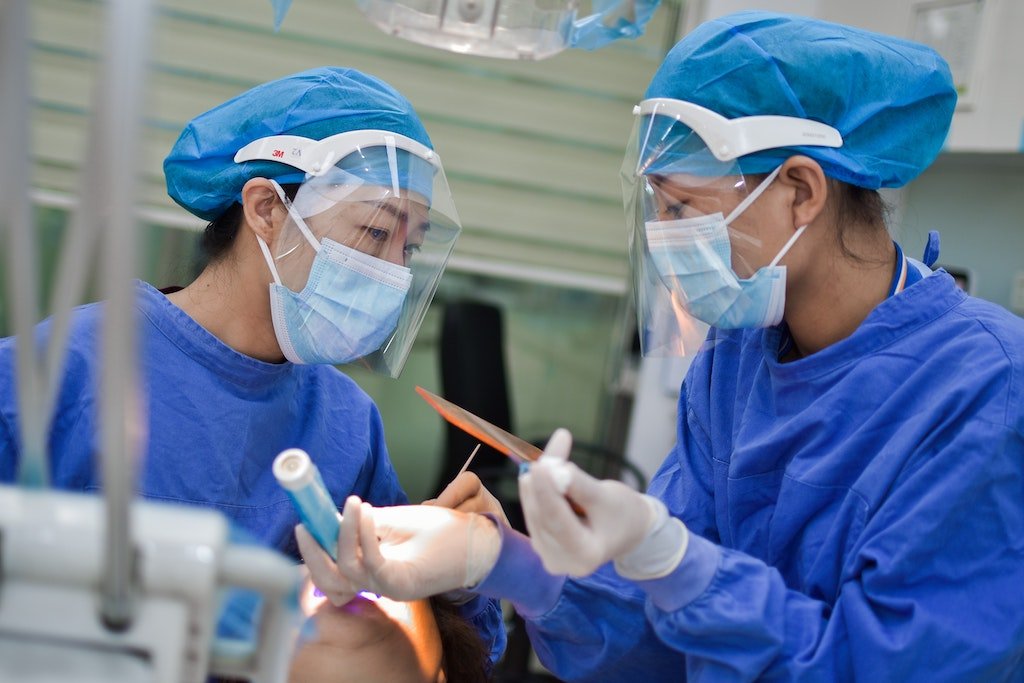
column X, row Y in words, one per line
column 468, row 460
column 509, row 444
column 495, row 437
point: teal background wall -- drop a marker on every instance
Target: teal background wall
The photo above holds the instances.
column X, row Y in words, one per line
column 976, row 202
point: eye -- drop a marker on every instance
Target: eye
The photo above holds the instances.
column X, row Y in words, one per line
column 675, row 210
column 377, row 234
column 412, row 248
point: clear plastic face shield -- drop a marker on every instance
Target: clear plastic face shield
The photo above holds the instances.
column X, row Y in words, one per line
column 690, row 244
column 359, row 256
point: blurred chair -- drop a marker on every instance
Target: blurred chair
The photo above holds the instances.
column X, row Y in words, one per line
column 473, row 376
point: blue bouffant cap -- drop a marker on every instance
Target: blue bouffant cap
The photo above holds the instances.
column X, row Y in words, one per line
column 892, row 100
column 200, row 170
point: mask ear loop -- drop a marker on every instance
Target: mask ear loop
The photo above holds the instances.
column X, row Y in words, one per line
column 742, row 206
column 303, row 228
column 752, row 197
column 787, row 246
column 745, row 204
column 269, row 259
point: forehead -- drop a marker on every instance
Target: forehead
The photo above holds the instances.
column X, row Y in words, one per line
column 365, row 192
column 681, row 183
column 688, row 181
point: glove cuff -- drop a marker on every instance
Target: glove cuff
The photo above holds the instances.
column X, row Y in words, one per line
column 483, row 543
column 660, row 552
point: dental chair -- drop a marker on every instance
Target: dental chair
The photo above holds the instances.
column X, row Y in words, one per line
column 53, row 580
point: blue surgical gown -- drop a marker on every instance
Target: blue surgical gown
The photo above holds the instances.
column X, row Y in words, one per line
column 215, row 421
column 855, row 515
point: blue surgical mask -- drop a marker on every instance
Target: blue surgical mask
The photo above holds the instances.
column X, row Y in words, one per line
column 349, row 307
column 693, row 256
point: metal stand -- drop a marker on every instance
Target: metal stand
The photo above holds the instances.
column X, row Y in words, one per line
column 107, row 589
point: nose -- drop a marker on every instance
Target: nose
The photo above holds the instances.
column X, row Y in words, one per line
column 395, row 252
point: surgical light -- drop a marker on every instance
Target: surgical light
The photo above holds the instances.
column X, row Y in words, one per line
column 510, row 29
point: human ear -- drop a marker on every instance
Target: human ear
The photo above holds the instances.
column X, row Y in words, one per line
column 262, row 208
column 809, row 185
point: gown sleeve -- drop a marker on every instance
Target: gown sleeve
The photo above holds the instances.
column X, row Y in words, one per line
column 595, row 628
column 937, row 569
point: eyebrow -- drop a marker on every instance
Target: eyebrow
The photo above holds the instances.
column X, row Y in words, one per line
column 397, row 213
column 401, row 215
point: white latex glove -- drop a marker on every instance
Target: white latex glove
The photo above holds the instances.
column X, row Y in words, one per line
column 406, row 552
column 617, row 523
column 468, row 494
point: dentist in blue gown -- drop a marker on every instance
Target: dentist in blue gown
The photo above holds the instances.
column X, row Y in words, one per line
column 845, row 500
column 330, row 222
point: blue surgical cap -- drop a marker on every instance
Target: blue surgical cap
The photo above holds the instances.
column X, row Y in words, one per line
column 200, row 170
column 892, row 100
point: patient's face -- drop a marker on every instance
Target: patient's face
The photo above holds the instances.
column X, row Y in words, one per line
column 368, row 640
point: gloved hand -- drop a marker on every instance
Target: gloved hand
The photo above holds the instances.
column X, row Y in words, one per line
column 405, row 552
column 467, row 493
column 617, row 523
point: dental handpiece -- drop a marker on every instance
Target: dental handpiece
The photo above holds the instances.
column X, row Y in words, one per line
column 301, row 480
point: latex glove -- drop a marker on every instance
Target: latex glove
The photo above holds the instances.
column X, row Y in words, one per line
column 405, row 552
column 617, row 523
column 467, row 493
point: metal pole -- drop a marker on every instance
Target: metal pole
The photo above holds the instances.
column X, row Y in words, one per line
column 16, row 215
column 118, row 113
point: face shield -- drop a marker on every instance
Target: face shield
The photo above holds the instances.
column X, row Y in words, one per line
column 358, row 258
column 691, row 253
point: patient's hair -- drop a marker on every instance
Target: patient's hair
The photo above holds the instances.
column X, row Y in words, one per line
column 465, row 655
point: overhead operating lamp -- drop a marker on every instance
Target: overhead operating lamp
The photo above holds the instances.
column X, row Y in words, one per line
column 509, row 29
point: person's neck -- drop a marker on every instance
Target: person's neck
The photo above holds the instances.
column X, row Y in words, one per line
column 232, row 303
column 837, row 294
